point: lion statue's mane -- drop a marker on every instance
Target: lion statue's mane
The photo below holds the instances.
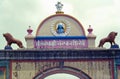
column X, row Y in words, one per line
column 9, row 38
column 110, row 38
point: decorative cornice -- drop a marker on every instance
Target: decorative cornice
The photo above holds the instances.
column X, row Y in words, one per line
column 58, row 54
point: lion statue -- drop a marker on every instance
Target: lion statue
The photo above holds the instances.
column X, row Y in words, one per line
column 110, row 38
column 9, row 38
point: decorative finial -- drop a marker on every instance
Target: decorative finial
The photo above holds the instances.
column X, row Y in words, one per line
column 90, row 29
column 29, row 30
column 59, row 7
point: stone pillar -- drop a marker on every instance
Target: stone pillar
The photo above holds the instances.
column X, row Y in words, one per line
column 29, row 38
column 91, row 38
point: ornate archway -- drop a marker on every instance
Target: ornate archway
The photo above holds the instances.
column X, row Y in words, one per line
column 68, row 70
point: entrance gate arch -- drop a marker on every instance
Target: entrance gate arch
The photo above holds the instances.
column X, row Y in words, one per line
column 67, row 70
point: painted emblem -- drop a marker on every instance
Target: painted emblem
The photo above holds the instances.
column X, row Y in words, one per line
column 60, row 28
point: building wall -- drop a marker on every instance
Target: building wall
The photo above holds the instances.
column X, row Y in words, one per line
column 27, row 64
column 96, row 69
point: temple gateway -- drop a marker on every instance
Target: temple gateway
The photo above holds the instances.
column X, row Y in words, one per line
column 60, row 46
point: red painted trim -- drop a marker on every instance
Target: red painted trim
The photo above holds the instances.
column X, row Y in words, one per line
column 2, row 69
column 10, row 69
column 112, row 68
column 59, row 15
column 118, row 67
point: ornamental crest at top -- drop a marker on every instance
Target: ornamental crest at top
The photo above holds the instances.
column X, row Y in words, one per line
column 59, row 7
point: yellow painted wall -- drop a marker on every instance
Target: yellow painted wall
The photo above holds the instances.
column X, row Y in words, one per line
column 95, row 69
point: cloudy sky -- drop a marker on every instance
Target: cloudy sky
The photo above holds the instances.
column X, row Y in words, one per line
column 17, row 15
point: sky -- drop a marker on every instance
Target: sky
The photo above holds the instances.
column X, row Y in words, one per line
column 17, row 15
column 61, row 76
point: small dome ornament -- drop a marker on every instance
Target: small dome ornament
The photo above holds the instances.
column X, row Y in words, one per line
column 90, row 29
column 59, row 7
column 90, row 32
column 29, row 30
